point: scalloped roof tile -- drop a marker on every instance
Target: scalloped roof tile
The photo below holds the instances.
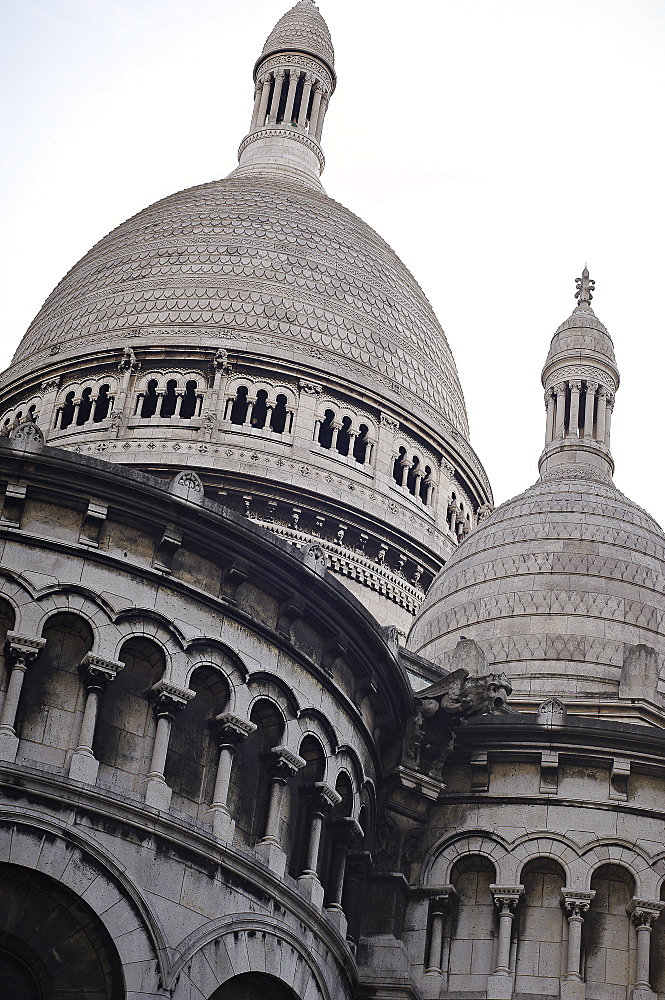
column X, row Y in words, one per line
column 302, row 28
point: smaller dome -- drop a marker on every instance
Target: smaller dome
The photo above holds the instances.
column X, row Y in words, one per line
column 581, row 334
column 302, row 28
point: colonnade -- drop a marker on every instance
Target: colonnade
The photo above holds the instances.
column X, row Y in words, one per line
column 288, row 95
column 578, row 408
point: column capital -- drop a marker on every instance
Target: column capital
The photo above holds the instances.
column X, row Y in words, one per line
column 575, row 384
column 592, row 386
column 442, row 898
column 233, row 730
column 576, row 902
column 23, row 649
column 320, row 797
column 603, row 392
column 345, row 831
column 96, row 671
column 643, row 911
column 170, row 698
column 284, row 763
column 506, row 897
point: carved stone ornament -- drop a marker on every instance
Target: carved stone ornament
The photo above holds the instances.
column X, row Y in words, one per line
column 389, row 423
column 232, row 729
column 187, row 484
column 23, row 649
column 310, row 388
column 170, row 698
column 551, row 713
column 484, row 511
column 97, row 671
column 576, row 902
column 506, row 897
column 314, row 557
column 284, row 763
column 51, row 384
column 644, row 911
column 27, row 436
column 128, row 362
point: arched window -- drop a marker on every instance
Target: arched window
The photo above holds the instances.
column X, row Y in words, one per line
column 398, row 467
column 85, row 407
column 250, row 778
column 170, row 399
column 67, row 414
column 191, row 762
column 608, row 932
column 188, row 403
column 150, row 399
column 326, row 429
column 279, row 415
column 126, row 726
column 344, row 436
column 470, row 936
column 254, row 986
column 302, row 786
column 360, row 444
column 411, row 478
column 51, row 693
column 240, row 406
column 102, row 404
column 541, row 927
column 260, row 410
column 425, row 484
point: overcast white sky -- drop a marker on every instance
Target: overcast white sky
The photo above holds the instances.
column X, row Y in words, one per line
column 497, row 146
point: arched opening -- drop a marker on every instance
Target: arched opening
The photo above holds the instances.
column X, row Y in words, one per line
column 360, row 444
column 608, row 932
column 191, row 763
column 240, row 406
column 411, row 478
column 254, row 986
column 53, row 946
column 85, row 407
column 279, row 415
column 126, row 726
column 302, row 789
column 150, row 399
column 326, row 429
column 250, row 778
column 260, row 410
column 102, row 404
column 188, row 403
column 67, row 412
column 424, row 484
column 344, row 436
column 539, row 949
column 469, row 940
column 169, row 400
column 398, row 467
column 52, row 692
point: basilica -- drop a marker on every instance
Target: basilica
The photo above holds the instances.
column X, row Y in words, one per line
column 289, row 710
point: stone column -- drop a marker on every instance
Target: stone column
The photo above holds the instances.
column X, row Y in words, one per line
column 232, row 733
column 96, row 673
column 609, row 410
column 263, row 103
column 438, row 908
column 319, row 800
column 574, row 419
column 560, row 391
column 321, row 116
column 46, row 410
column 316, row 106
column 600, row 419
column 643, row 912
column 385, row 454
column 294, row 76
column 575, row 905
column 276, row 95
column 549, row 406
column 304, row 423
column 345, row 833
column 506, row 898
column 304, row 102
column 591, row 389
column 258, row 90
column 169, row 699
column 283, row 765
column 21, row 652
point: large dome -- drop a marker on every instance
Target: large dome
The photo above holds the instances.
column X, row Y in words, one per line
column 553, row 585
column 271, row 263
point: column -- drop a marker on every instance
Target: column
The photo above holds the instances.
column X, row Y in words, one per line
column 591, row 389
column 96, row 673
column 322, row 114
column 600, row 419
column 643, row 912
column 437, row 910
column 345, row 832
column 258, row 90
column 575, row 905
column 232, row 732
column 294, row 76
column 319, row 800
column 263, row 103
column 305, row 429
column 358, row 865
column 574, row 419
column 304, row 102
column 560, row 391
column 283, row 764
column 316, row 106
column 276, row 95
column 169, row 699
column 549, row 406
column 21, row 652
column 46, row 410
column 506, row 898
column 609, row 409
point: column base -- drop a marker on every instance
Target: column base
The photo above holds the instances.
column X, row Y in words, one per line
column 312, row 890
column 338, row 918
column 499, row 986
column 8, row 745
column 573, row 989
column 432, row 983
column 223, row 826
column 642, row 993
column 158, row 794
column 83, row 767
column 273, row 856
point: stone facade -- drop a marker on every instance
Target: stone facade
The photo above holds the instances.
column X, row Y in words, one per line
column 234, row 474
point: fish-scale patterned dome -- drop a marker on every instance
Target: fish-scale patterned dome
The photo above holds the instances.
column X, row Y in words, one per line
column 581, row 332
column 276, row 263
column 302, row 28
column 553, row 585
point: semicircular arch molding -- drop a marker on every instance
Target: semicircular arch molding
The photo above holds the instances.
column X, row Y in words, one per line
column 314, row 722
column 441, row 858
column 533, row 846
column 208, row 653
column 622, row 854
column 143, row 623
column 265, row 685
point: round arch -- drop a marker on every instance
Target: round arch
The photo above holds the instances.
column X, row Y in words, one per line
column 254, row 986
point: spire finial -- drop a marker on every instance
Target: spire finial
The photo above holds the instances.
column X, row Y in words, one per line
column 585, row 288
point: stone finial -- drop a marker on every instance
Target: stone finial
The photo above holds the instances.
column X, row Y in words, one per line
column 585, row 288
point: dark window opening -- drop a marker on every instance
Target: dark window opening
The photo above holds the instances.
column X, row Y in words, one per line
column 240, row 406
column 326, row 429
column 260, row 410
column 360, row 445
column 149, row 407
column 411, row 478
column 424, row 484
column 102, row 405
column 188, row 405
column 398, row 468
column 298, row 100
column 283, row 96
column 85, row 408
column 170, row 400
column 344, row 436
column 278, row 415
column 67, row 411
